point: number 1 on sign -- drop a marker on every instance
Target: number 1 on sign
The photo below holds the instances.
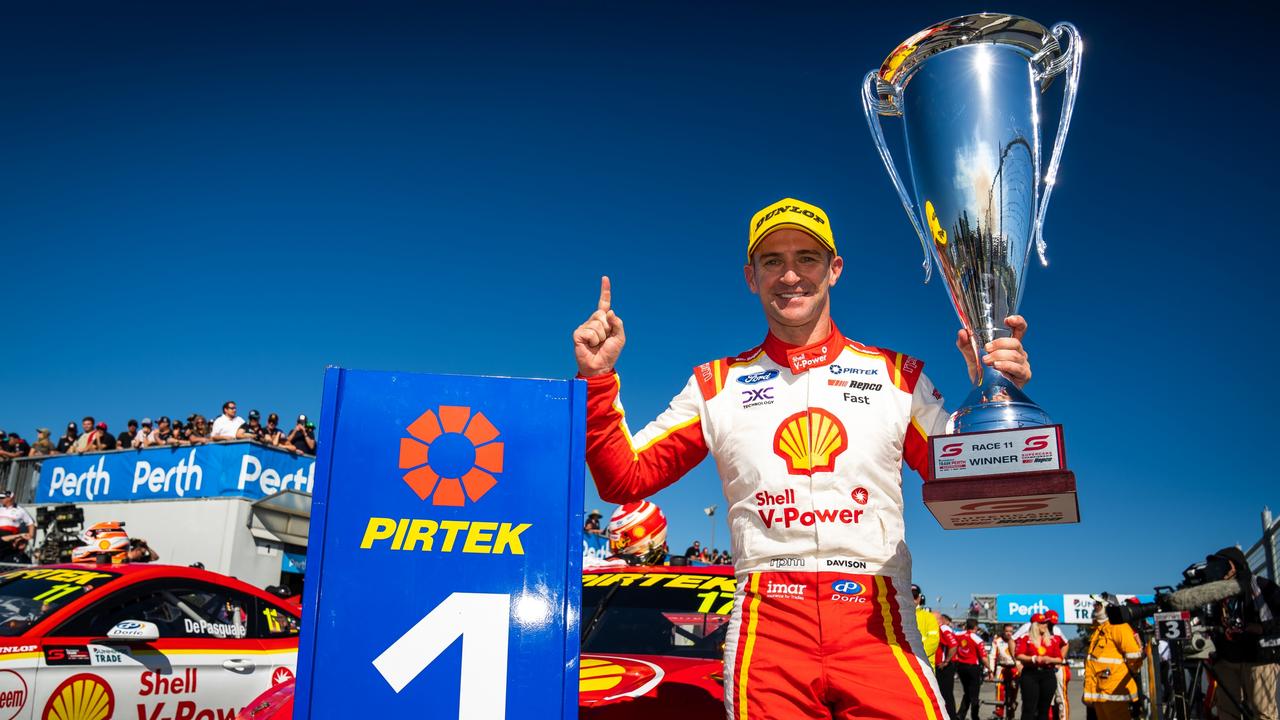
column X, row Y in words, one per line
column 483, row 621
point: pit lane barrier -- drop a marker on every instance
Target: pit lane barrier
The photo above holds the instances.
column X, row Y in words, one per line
column 444, row 569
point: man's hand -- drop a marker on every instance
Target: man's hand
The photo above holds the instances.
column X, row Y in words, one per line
column 598, row 342
column 1005, row 354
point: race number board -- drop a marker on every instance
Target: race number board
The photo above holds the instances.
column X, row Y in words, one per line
column 444, row 568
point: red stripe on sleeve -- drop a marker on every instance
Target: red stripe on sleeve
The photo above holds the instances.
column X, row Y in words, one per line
column 623, row 472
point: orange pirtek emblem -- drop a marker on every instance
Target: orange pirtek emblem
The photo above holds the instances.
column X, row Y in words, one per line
column 451, row 453
column 809, row 441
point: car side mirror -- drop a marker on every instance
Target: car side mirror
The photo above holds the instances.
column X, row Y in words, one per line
column 134, row 631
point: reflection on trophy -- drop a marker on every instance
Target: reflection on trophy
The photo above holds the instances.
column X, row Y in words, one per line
column 968, row 92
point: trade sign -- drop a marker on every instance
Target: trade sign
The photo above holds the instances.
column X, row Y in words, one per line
column 443, row 563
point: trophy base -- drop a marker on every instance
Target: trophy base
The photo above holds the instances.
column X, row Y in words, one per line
column 1046, row 498
column 1001, row 478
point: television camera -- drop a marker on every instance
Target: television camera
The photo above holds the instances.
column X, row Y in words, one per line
column 61, row 525
column 1183, row 620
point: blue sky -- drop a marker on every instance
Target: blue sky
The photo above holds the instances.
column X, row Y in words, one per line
column 208, row 202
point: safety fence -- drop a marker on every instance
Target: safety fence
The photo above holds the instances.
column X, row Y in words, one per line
column 1262, row 554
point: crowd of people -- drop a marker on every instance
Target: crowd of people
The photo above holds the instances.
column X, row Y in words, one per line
column 91, row 435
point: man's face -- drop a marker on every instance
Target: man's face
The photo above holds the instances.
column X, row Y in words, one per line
column 230, row 410
column 8, row 501
column 792, row 273
column 87, row 425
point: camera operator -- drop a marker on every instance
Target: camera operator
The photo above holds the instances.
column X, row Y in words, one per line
column 1246, row 671
column 1115, row 656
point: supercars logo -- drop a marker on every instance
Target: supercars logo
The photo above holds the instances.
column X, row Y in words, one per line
column 809, row 441
column 81, row 697
column 451, row 456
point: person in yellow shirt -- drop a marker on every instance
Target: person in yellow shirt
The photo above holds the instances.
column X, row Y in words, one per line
column 1111, row 668
column 927, row 624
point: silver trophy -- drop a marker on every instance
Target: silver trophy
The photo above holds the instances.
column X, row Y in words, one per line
column 968, row 92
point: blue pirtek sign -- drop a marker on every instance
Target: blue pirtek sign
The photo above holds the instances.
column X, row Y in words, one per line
column 444, row 565
column 239, row 469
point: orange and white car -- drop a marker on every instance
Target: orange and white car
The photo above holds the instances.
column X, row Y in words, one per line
column 153, row 642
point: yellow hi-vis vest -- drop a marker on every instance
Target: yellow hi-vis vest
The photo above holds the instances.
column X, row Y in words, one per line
column 1113, row 650
column 928, row 626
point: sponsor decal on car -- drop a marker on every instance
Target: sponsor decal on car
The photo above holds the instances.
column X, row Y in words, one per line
column 153, row 682
column 15, row 649
column 67, row 655
column 668, row 580
column 80, row 697
column 106, row 656
column 281, row 676
column 13, row 694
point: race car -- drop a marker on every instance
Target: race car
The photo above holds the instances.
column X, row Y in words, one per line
column 652, row 640
column 155, row 642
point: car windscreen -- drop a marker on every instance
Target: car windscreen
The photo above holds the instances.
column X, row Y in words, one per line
column 680, row 614
column 28, row 596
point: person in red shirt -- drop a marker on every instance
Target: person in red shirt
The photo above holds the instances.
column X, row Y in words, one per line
column 946, row 668
column 970, row 658
column 1040, row 652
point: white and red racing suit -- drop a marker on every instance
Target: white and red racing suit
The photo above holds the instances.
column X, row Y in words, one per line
column 809, row 443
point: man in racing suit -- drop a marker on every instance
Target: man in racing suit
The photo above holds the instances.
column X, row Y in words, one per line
column 809, row 430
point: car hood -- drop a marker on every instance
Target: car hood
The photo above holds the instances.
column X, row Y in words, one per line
column 606, row 679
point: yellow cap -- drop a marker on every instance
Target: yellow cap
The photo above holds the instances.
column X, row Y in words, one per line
column 790, row 213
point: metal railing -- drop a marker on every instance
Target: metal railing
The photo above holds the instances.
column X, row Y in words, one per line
column 1262, row 554
column 20, row 475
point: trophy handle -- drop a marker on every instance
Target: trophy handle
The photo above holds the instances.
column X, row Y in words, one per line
column 872, row 106
column 1069, row 62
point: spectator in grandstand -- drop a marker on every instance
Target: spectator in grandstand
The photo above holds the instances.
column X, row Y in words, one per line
column 272, row 434
column 694, row 550
column 7, row 446
column 180, row 432
column 163, row 434
column 104, row 440
column 124, row 440
column 197, row 430
column 68, row 439
column 592, row 525
column 253, row 429
column 43, row 445
column 84, row 443
column 144, row 434
column 303, row 437
column 226, row 424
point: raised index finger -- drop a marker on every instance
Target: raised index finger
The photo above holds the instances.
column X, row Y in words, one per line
column 606, row 294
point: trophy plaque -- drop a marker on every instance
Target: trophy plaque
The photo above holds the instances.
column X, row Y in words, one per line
column 968, row 94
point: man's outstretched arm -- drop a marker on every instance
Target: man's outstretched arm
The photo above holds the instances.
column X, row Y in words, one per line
column 627, row 467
